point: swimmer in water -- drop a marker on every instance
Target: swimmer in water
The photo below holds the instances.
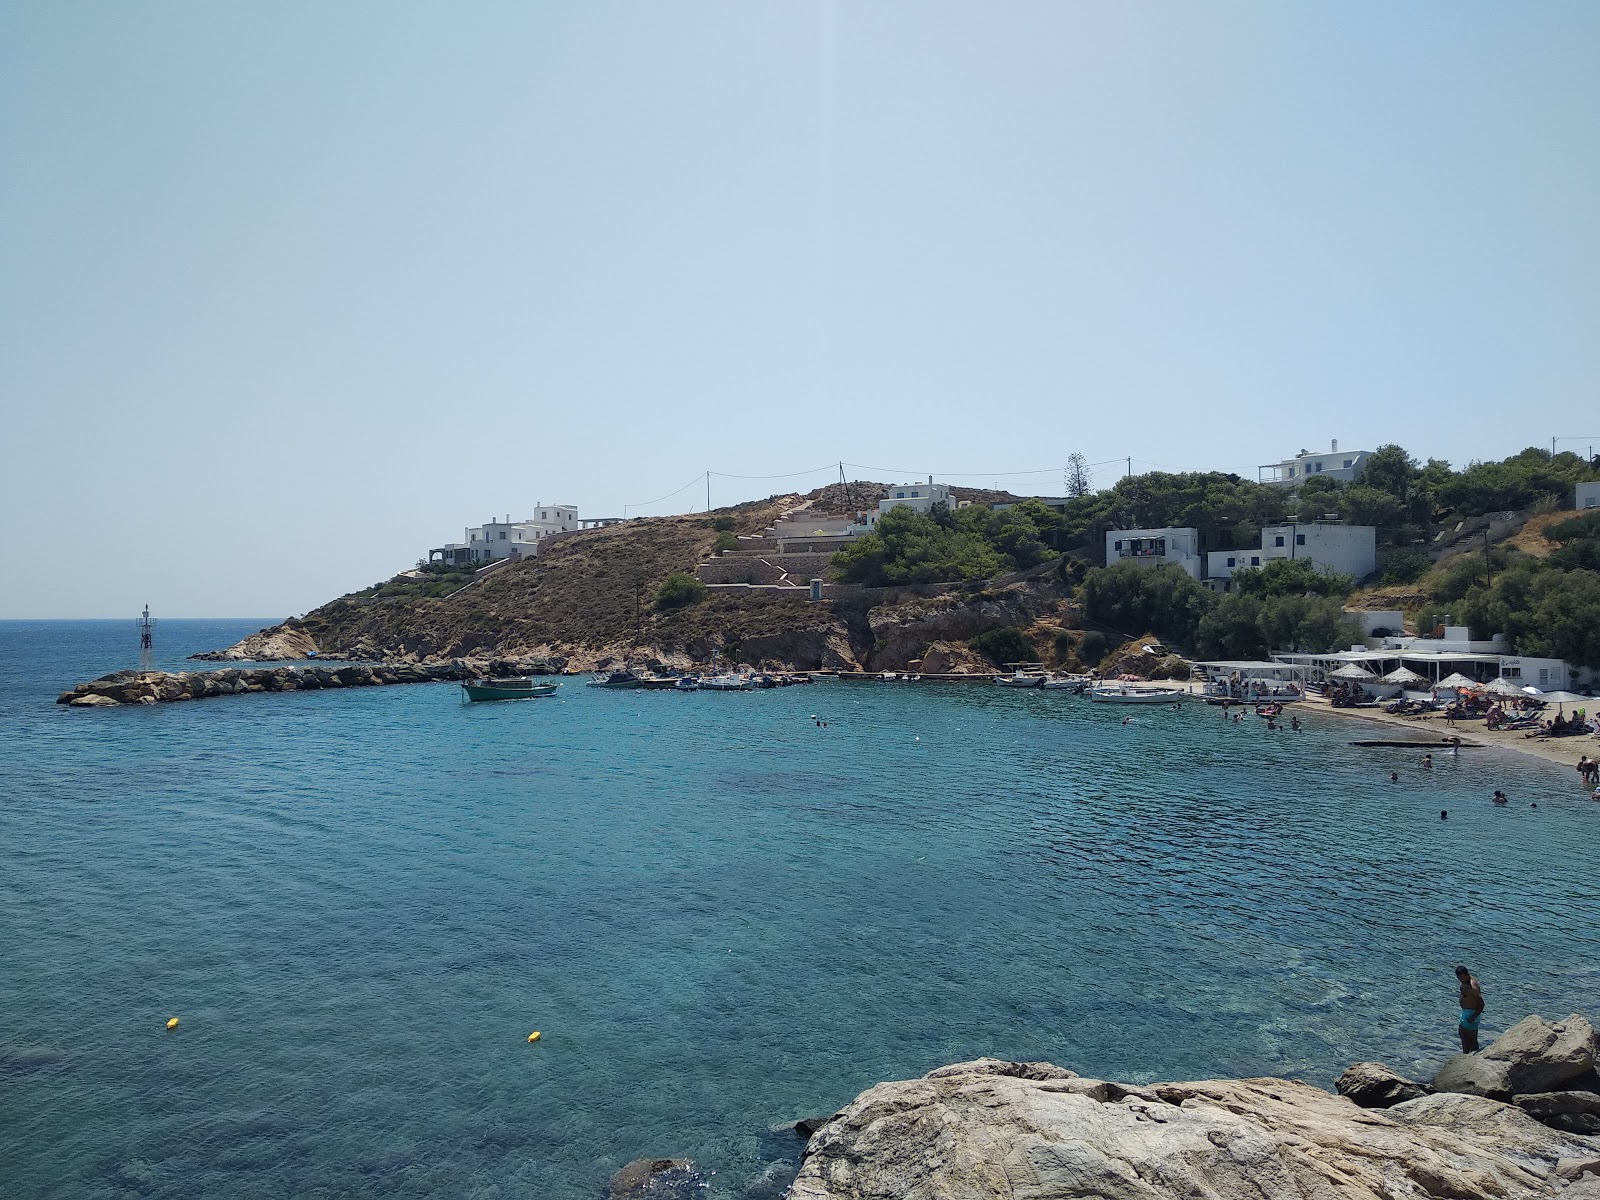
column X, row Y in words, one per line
column 1427, row 760
column 1500, row 798
column 1394, row 776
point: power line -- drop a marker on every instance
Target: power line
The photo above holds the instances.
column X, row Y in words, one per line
column 668, row 496
column 790, row 475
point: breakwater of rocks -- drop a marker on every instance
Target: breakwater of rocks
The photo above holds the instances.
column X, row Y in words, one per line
column 164, row 687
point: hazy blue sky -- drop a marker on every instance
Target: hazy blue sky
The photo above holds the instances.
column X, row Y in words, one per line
column 290, row 292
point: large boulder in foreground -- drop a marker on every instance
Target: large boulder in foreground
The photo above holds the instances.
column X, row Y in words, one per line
column 1541, row 1055
column 1373, row 1085
column 987, row 1129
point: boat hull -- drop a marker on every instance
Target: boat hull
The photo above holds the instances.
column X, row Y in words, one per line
column 1133, row 696
column 478, row 692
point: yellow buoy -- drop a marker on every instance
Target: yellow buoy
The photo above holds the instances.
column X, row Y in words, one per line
column 534, row 1036
column 172, row 1023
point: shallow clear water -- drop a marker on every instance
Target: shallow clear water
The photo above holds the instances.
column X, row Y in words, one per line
column 720, row 916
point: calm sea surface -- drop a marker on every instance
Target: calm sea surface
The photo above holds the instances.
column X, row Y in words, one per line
column 720, row 916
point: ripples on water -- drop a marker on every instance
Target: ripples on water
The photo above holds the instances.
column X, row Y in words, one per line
column 721, row 917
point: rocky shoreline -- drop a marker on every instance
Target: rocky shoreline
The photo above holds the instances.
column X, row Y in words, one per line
column 165, row 687
column 1519, row 1120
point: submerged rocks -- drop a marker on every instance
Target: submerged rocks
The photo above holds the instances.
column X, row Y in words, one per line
column 657, row 1179
column 977, row 1130
column 1373, row 1085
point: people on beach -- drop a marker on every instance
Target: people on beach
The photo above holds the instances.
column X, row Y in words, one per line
column 1500, row 798
column 1589, row 771
column 1471, row 1010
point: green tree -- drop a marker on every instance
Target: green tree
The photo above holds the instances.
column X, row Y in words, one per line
column 1002, row 646
column 1291, row 577
column 1163, row 600
column 679, row 589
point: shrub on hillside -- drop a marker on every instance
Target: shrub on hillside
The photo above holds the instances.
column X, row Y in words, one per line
column 1403, row 566
column 1092, row 647
column 725, row 542
column 1001, row 646
column 679, row 589
column 722, row 524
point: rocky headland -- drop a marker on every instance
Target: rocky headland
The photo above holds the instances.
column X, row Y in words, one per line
column 165, row 687
column 996, row 1130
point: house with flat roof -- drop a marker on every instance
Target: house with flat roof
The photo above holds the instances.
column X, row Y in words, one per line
column 508, row 539
column 1586, row 495
column 1336, row 549
column 1152, row 547
column 1345, row 465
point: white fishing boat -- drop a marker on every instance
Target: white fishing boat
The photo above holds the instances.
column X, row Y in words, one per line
column 1023, row 675
column 725, row 683
column 1122, row 693
column 1065, row 683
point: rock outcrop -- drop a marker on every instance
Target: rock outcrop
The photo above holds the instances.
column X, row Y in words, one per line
column 995, row 1129
column 280, row 643
column 1534, row 1055
column 1373, row 1085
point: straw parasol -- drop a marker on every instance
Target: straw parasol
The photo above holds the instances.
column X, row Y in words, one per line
column 1352, row 671
column 1404, row 676
column 1502, row 686
column 1454, row 682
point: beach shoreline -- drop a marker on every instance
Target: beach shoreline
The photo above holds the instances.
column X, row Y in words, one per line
column 1563, row 751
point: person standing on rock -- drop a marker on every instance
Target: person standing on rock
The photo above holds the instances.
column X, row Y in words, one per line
column 1471, row 1010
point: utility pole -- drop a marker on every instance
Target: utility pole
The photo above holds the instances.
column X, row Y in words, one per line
column 638, row 616
column 708, row 491
column 147, row 629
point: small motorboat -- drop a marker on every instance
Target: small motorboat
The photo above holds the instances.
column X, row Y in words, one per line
column 1065, row 683
column 686, row 683
column 512, row 688
column 1121, row 693
column 725, row 683
column 1023, row 675
column 614, row 679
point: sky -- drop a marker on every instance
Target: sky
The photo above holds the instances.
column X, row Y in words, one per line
column 292, row 292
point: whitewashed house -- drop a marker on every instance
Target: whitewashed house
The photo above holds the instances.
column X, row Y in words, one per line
column 1337, row 549
column 1586, row 495
column 1152, row 547
column 1345, row 465
column 508, row 539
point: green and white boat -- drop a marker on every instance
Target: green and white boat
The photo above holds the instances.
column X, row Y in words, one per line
column 515, row 688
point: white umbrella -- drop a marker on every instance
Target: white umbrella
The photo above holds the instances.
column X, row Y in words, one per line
column 1531, row 691
column 1564, row 698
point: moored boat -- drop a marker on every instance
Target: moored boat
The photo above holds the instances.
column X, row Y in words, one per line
column 513, row 688
column 1121, row 693
column 1023, row 675
column 725, row 683
column 616, row 679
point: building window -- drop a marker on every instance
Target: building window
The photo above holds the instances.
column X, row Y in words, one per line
column 502, row 535
column 1544, row 674
column 1299, row 539
column 1255, row 560
column 899, row 495
column 1277, row 541
column 1319, row 467
column 1118, row 546
column 1513, row 672
column 1349, row 462
column 915, row 493
column 1291, row 472
column 1230, row 562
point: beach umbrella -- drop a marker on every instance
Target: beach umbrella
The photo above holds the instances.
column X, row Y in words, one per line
column 1531, row 691
column 1564, row 698
column 1454, row 682
column 1404, row 676
column 1503, row 687
column 1352, row 671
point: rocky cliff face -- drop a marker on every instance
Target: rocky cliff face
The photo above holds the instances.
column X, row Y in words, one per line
column 1009, row 1130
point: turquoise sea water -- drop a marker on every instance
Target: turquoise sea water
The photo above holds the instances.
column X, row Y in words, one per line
column 720, row 916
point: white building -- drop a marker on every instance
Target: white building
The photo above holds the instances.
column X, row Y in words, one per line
column 1345, row 465
column 508, row 539
column 1337, row 549
column 1152, row 547
column 919, row 497
column 1586, row 495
